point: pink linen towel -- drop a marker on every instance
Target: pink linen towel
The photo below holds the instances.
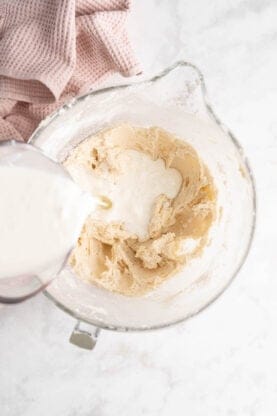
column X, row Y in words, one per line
column 53, row 50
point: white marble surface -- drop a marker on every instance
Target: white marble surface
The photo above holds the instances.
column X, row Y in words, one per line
column 222, row 362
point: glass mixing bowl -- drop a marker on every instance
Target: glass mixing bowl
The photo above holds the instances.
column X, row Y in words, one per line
column 176, row 101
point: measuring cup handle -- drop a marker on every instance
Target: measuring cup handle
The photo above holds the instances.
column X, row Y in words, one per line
column 84, row 335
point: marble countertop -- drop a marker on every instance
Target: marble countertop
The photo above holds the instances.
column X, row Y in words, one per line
column 223, row 361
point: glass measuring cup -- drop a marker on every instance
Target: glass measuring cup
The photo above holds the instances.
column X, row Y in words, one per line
column 176, row 101
column 22, row 272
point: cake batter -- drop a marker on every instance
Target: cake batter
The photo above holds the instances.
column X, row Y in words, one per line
column 163, row 205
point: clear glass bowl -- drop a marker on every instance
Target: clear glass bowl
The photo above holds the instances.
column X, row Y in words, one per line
column 176, row 101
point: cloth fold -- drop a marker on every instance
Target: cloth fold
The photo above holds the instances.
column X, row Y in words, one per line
column 53, row 50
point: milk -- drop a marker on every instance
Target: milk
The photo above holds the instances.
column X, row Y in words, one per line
column 41, row 216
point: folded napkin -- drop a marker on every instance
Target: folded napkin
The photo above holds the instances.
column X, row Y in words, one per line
column 53, row 50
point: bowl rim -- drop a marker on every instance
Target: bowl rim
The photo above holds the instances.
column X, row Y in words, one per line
column 236, row 143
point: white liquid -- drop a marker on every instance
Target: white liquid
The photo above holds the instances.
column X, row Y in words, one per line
column 41, row 215
column 133, row 191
